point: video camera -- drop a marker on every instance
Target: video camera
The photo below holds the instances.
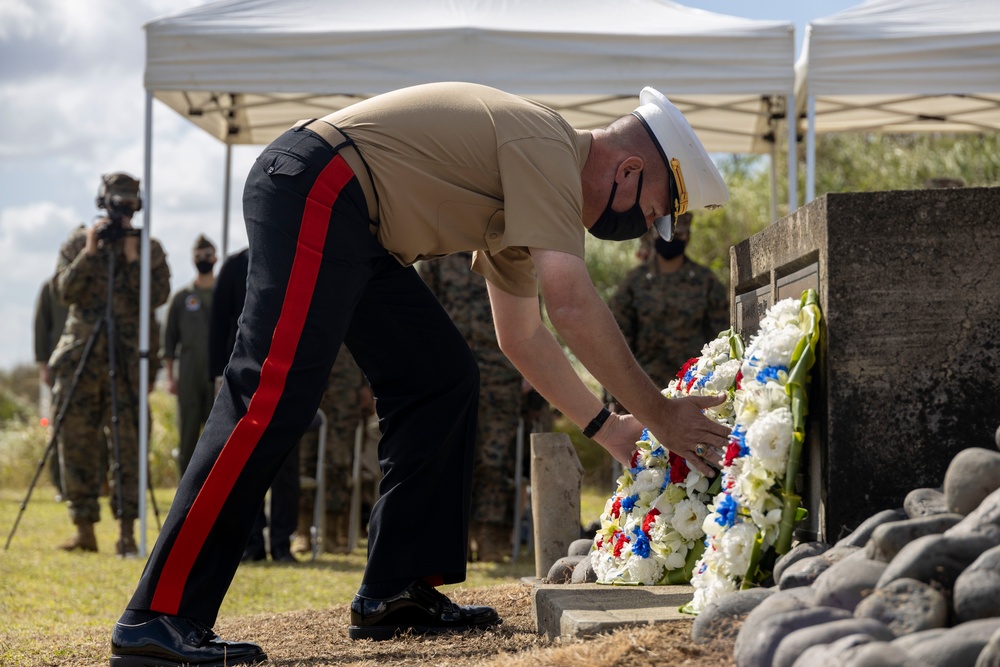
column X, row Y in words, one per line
column 119, row 196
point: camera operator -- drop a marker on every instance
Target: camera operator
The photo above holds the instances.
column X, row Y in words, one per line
column 88, row 258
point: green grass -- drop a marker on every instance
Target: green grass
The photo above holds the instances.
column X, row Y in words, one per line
column 46, row 593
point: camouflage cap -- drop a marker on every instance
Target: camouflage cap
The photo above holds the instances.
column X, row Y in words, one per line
column 202, row 243
column 119, row 187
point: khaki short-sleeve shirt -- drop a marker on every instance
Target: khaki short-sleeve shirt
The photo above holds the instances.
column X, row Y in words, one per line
column 461, row 167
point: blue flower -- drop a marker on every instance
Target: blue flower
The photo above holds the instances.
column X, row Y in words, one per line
column 770, row 373
column 726, row 510
column 739, row 436
column 640, row 546
column 645, row 435
column 629, row 503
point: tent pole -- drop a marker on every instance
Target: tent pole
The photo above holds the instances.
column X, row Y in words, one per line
column 774, row 181
column 811, row 148
column 791, row 120
column 225, row 201
column 144, row 280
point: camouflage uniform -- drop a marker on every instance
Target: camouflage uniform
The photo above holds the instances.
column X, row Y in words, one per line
column 82, row 283
column 50, row 317
column 464, row 296
column 340, row 404
column 186, row 329
column 668, row 317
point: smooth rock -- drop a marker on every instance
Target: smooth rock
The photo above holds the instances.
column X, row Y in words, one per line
column 721, row 619
column 990, row 655
column 797, row 553
column 561, row 571
column 845, row 584
column 581, row 547
column 984, row 520
column 889, row 538
column 937, row 558
column 779, row 602
column 924, row 502
column 859, row 536
column 804, row 571
column 973, row 474
column 833, row 654
column 792, row 646
column 880, row 654
column 584, row 572
column 905, row 606
column 758, row 651
column 959, row 646
column 977, row 588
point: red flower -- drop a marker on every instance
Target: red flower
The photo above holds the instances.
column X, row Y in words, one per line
column 739, row 379
column 687, row 365
column 620, row 544
column 678, row 469
column 616, row 507
column 732, row 452
column 600, row 542
column 635, row 458
column 650, row 518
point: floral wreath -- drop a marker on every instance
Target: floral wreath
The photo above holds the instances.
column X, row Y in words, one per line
column 752, row 518
column 651, row 528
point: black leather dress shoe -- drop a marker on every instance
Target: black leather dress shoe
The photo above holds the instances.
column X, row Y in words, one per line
column 172, row 641
column 420, row 609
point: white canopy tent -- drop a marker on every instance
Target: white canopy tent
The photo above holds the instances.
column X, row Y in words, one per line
column 900, row 66
column 245, row 70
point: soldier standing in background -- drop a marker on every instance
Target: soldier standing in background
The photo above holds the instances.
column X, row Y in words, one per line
column 668, row 307
column 463, row 295
column 50, row 318
column 346, row 402
column 82, row 285
column 227, row 305
column 185, row 337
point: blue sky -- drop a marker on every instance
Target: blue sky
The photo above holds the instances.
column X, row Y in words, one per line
column 72, row 104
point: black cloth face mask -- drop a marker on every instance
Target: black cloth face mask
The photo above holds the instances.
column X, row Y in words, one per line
column 204, row 267
column 669, row 249
column 615, row 226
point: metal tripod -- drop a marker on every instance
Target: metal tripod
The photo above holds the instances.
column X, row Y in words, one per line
column 108, row 322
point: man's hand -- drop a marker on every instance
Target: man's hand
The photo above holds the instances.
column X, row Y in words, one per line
column 686, row 431
column 131, row 248
column 93, row 243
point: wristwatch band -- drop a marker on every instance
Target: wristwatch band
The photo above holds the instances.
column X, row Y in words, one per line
column 597, row 422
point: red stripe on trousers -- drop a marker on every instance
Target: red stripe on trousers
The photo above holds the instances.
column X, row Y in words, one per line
column 274, row 372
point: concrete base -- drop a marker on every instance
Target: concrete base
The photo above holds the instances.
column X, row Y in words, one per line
column 579, row 610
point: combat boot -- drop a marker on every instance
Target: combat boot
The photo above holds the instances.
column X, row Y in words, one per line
column 84, row 540
column 335, row 540
column 302, row 544
column 493, row 542
column 126, row 547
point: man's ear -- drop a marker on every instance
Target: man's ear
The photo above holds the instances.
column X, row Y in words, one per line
column 631, row 165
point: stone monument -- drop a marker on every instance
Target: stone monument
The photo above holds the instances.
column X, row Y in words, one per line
column 908, row 369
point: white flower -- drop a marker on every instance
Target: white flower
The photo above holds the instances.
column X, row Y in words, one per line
column 687, row 519
column 770, row 437
column 650, row 479
column 737, row 546
column 675, row 561
column 645, row 570
column 784, row 313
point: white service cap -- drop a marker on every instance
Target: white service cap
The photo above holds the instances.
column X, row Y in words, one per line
column 697, row 181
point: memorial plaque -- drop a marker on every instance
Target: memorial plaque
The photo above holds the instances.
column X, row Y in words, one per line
column 908, row 366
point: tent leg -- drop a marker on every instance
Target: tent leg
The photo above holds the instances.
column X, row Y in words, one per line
column 811, row 148
column 225, row 204
column 792, row 121
column 144, row 287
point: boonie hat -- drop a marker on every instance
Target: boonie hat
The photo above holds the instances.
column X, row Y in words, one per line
column 695, row 181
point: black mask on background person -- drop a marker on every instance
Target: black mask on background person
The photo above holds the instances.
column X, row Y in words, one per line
column 615, row 226
column 669, row 249
column 204, row 267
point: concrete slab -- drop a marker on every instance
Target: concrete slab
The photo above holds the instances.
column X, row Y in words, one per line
column 579, row 610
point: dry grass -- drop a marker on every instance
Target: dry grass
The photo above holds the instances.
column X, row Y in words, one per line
column 319, row 637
